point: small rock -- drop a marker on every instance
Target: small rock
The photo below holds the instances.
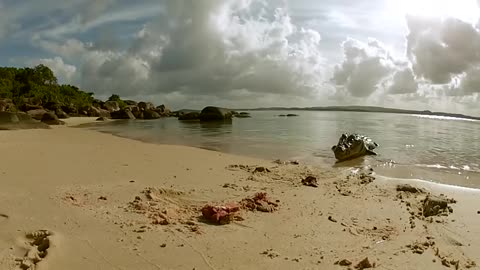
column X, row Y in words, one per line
column 102, row 198
column 27, row 264
column 163, row 245
column 409, row 188
column 261, row 170
column 445, row 262
column 273, row 255
column 278, row 161
column 470, row 264
column 164, row 222
column 310, row 181
column 332, row 219
column 434, row 205
column 270, row 253
column 365, row 263
column 344, row 262
column 238, row 218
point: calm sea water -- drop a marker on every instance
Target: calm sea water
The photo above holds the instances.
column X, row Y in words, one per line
column 439, row 149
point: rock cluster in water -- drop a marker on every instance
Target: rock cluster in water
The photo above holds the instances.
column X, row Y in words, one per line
column 352, row 146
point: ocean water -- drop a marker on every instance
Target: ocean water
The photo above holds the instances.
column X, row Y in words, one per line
column 440, row 149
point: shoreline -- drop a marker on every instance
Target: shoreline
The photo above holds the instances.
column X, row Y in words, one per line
column 79, row 121
column 80, row 186
column 443, row 175
column 431, row 184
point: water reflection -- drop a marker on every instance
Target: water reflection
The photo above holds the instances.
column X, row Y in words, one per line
column 208, row 128
column 214, row 136
column 310, row 137
column 350, row 163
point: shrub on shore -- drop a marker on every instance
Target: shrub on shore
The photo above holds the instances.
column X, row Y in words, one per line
column 36, row 90
column 39, row 86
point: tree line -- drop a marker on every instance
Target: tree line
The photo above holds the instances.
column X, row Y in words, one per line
column 39, row 85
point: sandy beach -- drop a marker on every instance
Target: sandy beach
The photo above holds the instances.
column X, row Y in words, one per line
column 72, row 198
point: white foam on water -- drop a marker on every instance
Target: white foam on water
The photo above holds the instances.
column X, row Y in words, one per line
column 432, row 183
column 451, row 167
column 439, row 117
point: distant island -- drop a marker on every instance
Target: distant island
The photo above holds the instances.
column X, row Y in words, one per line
column 363, row 109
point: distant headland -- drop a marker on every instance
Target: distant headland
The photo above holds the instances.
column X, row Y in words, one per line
column 363, row 109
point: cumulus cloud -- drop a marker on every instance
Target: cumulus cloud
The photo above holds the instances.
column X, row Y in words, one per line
column 446, row 52
column 64, row 72
column 70, row 49
column 468, row 83
column 403, row 82
column 228, row 52
column 365, row 67
column 207, row 48
column 439, row 51
column 442, row 48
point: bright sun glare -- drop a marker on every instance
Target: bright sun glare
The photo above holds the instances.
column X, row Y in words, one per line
column 467, row 10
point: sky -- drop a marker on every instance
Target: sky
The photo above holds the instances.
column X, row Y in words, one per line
column 412, row 54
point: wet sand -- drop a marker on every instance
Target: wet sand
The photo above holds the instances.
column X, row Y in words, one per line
column 78, row 199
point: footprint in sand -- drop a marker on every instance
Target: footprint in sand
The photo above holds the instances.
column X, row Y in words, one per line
column 38, row 244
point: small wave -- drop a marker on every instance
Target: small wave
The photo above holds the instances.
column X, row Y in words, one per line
column 432, row 183
column 436, row 166
column 451, row 167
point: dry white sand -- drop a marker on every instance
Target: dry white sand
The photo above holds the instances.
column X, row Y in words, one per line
column 75, row 190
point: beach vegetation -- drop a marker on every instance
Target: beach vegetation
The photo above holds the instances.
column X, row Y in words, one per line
column 122, row 104
column 38, row 85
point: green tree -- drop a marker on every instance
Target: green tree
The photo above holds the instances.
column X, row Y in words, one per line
column 39, row 85
column 114, row 97
column 43, row 75
column 117, row 98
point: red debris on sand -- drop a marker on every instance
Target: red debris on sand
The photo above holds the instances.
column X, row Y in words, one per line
column 220, row 214
column 259, row 202
column 224, row 214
